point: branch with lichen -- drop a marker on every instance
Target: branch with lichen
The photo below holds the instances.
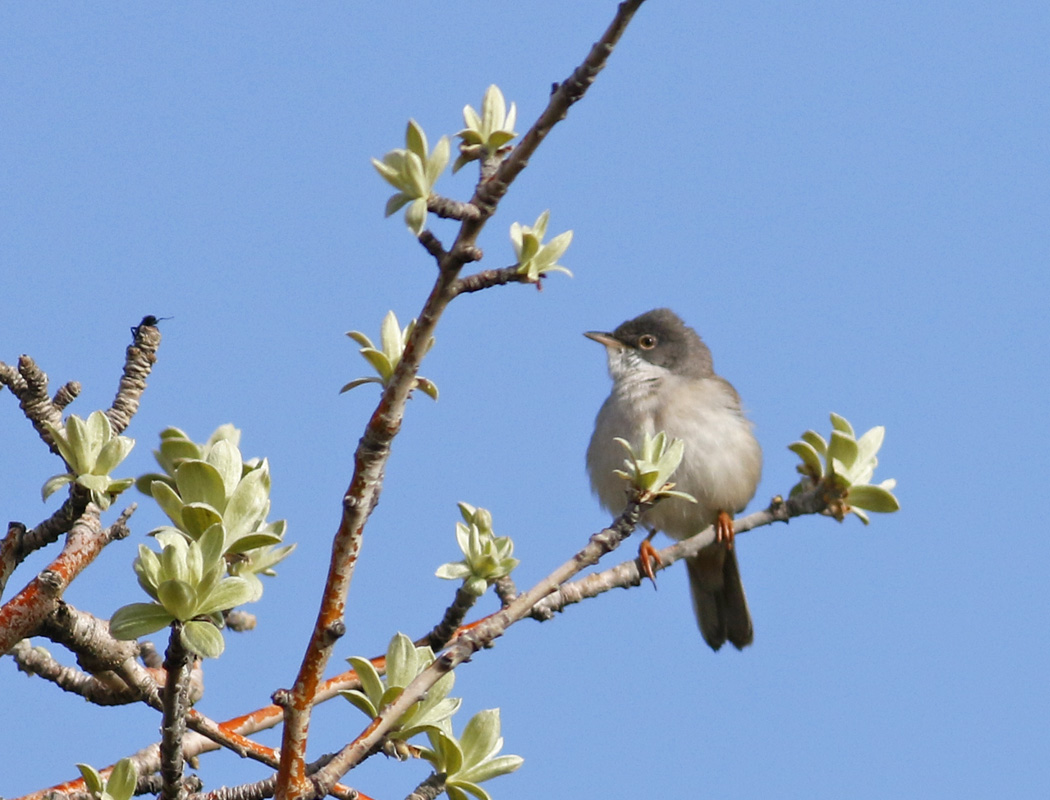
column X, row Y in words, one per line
column 374, row 448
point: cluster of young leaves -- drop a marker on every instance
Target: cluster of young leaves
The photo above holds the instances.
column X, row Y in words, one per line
column 188, row 583
column 845, row 465
column 488, row 133
column 385, row 358
column 535, row 258
column 650, row 467
column 468, row 760
column 486, row 557
column 119, row 786
column 92, row 452
column 414, row 169
column 404, row 661
column 472, row 758
column 218, row 545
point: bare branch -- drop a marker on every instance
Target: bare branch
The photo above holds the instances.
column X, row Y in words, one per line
column 29, row 384
column 139, row 359
column 443, row 632
column 629, row 574
column 23, row 613
column 177, row 663
column 487, row 278
column 451, row 209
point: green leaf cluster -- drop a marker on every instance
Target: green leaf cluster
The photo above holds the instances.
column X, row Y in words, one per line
column 92, row 452
column 385, row 358
column 487, row 557
column 471, row 759
column 217, row 546
column 536, row 259
column 119, row 786
column 210, row 484
column 413, row 171
column 845, row 465
column 404, row 661
column 486, row 133
column 649, row 468
column 188, row 583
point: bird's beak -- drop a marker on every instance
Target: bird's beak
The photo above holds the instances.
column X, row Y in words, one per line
column 604, row 338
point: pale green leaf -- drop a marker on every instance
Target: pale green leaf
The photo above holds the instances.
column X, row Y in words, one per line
column 200, row 482
column 394, row 203
column 401, row 661
column 92, row 778
column 179, row 598
column 359, row 701
column 230, row 593
column 138, row 619
column 416, row 139
column 453, row 571
column 225, row 456
column 203, row 638
column 248, row 504
column 168, row 500
column 479, row 736
column 198, row 517
column 56, row 482
column 359, row 382
column 843, row 448
column 416, row 216
column 492, row 768
column 112, row 453
column 122, row 780
column 872, row 498
column 816, row 441
column 840, row 423
column 870, row 443
column 810, row 457
column 371, row 683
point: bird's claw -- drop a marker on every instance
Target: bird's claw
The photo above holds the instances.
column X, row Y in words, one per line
column 724, row 532
column 648, row 554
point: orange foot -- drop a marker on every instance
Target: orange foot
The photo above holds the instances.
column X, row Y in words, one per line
column 724, row 529
column 648, row 554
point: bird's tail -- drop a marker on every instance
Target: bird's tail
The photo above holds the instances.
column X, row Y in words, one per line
column 718, row 597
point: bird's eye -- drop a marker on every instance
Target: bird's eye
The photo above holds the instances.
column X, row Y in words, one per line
column 647, row 341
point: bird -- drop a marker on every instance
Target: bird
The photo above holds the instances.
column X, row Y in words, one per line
column 664, row 380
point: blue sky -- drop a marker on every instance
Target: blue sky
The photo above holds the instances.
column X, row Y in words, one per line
column 848, row 201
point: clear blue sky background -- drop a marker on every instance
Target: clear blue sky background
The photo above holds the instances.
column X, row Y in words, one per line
column 849, row 201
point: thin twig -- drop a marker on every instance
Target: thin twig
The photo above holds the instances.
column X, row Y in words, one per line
column 448, row 208
column 629, row 573
column 440, row 635
column 487, row 278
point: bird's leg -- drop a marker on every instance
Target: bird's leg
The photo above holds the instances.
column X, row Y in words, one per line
column 724, row 529
column 647, row 554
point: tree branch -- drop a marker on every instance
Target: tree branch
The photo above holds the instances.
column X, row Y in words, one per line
column 23, row 613
column 480, row 635
column 374, row 448
column 488, row 278
column 177, row 663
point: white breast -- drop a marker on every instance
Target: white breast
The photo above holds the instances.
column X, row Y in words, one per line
column 722, row 462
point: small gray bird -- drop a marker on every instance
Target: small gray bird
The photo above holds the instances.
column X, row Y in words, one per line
column 663, row 380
